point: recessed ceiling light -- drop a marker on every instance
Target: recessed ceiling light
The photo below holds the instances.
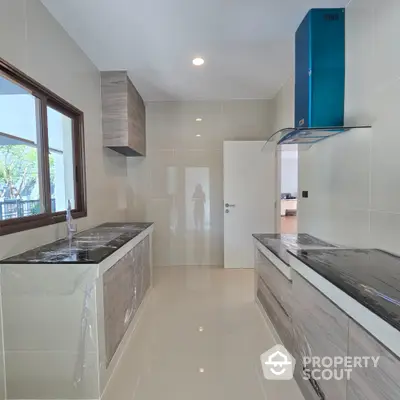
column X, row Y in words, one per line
column 198, row 135
column 201, row 370
column 198, row 61
column 201, row 329
column 199, row 119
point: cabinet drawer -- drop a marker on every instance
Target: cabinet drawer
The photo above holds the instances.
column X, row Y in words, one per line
column 119, row 301
column 277, row 314
column 319, row 329
column 124, row 285
column 372, row 383
column 278, row 284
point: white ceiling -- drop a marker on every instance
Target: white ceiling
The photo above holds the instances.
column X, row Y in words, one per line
column 247, row 44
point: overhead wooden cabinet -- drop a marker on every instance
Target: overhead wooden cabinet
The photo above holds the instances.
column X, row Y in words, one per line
column 124, row 114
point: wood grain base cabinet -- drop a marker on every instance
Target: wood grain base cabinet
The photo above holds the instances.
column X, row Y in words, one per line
column 309, row 324
column 381, row 383
column 319, row 329
column 322, row 329
column 124, row 286
column 276, row 313
column 280, row 286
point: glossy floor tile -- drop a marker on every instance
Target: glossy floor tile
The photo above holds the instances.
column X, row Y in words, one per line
column 200, row 336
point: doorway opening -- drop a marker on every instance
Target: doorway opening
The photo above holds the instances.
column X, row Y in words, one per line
column 289, row 188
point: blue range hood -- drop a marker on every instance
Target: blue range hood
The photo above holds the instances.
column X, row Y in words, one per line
column 319, row 79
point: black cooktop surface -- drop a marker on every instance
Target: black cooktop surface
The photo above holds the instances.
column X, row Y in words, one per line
column 279, row 244
column 370, row 276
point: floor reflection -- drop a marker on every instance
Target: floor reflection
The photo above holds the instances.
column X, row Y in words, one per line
column 197, row 213
column 199, row 337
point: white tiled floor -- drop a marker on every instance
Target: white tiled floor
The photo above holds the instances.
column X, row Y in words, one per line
column 200, row 337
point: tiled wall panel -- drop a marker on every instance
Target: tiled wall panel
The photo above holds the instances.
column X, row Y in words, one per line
column 180, row 165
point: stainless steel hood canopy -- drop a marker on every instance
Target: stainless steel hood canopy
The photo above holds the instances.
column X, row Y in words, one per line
column 310, row 135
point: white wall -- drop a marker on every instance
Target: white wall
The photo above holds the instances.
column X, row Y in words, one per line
column 353, row 179
column 283, row 104
column 34, row 42
column 163, row 184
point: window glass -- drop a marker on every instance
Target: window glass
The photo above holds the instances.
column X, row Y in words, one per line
column 17, row 111
column 20, row 188
column 61, row 160
column 41, row 154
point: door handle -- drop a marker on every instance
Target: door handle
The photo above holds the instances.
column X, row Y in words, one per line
column 227, row 205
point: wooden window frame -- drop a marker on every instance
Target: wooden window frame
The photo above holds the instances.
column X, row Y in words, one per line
column 47, row 98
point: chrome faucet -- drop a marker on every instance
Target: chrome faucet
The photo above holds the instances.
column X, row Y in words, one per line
column 71, row 228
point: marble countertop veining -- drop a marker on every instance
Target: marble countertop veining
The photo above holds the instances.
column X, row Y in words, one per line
column 279, row 244
column 87, row 247
column 369, row 276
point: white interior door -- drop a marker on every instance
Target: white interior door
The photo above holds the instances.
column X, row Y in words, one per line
column 249, row 199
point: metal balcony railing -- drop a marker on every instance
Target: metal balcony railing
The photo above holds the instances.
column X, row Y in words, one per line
column 10, row 209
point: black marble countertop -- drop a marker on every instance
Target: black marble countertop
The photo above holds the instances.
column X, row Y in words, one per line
column 279, row 244
column 372, row 277
column 87, row 247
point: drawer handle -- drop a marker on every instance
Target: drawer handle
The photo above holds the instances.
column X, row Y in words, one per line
column 315, row 386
